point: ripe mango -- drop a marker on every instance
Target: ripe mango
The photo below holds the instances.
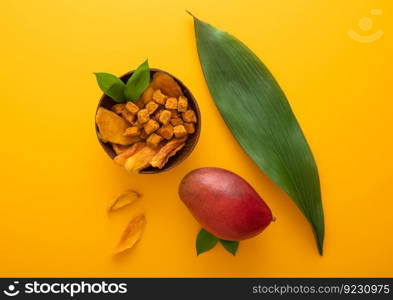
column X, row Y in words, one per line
column 224, row 204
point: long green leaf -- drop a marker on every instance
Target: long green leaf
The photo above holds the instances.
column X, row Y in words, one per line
column 259, row 116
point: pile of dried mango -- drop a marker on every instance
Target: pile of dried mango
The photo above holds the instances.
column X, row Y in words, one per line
column 151, row 130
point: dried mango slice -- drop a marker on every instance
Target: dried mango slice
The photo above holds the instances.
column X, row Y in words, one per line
column 131, row 234
column 140, row 160
column 166, row 84
column 124, row 199
column 122, row 157
column 167, row 151
column 147, row 94
column 111, row 127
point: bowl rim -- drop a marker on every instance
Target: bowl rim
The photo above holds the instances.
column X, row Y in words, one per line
column 196, row 134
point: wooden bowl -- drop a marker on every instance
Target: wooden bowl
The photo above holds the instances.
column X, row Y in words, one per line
column 191, row 142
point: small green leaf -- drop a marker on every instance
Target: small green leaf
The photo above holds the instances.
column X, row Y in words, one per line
column 205, row 241
column 230, row 246
column 111, row 86
column 138, row 82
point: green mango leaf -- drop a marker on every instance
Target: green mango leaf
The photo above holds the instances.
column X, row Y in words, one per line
column 138, row 82
column 259, row 116
column 205, row 241
column 111, row 86
column 230, row 246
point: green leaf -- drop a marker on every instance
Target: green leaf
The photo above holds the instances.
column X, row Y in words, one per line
column 111, row 86
column 138, row 82
column 230, row 246
column 259, row 116
column 205, row 241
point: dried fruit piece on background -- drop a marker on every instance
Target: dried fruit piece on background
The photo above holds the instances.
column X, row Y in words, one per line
column 131, row 234
column 111, row 127
column 140, row 160
column 167, row 151
column 124, row 199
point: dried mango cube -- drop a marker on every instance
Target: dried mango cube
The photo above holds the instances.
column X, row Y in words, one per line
column 164, row 116
column 189, row 116
column 190, row 127
column 151, row 107
column 129, row 117
column 179, row 131
column 143, row 116
column 171, row 103
column 174, row 113
column 118, row 108
column 159, row 97
column 132, row 131
column 176, row 121
column 132, row 107
column 182, row 104
column 166, row 131
column 154, row 140
column 151, row 126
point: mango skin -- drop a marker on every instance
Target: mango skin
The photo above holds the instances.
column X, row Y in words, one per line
column 224, row 204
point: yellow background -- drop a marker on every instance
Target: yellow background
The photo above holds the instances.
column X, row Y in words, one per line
column 56, row 181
